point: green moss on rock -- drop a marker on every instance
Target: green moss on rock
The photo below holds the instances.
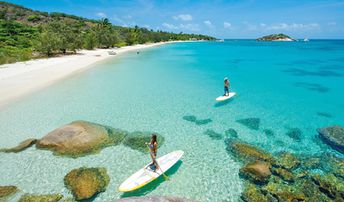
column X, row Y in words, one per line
column 244, row 151
column 252, row 194
column 41, row 198
column 330, row 185
column 283, row 192
column 137, row 140
column 286, row 160
column 284, row 174
column 86, row 182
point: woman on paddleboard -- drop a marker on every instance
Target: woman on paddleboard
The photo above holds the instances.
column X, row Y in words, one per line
column 153, row 149
column 226, row 86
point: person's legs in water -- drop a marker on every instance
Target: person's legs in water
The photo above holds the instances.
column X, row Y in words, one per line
column 226, row 91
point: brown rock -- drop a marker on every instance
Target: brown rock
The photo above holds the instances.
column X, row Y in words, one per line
column 6, row 191
column 80, row 138
column 258, row 172
column 86, row 182
column 22, row 146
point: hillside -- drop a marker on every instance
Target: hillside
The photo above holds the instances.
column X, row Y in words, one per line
column 27, row 34
column 276, row 37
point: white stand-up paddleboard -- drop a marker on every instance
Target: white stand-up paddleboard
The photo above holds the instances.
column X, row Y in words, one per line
column 223, row 98
column 147, row 175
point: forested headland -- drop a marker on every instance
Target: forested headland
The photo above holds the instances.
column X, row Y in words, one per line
column 26, row 34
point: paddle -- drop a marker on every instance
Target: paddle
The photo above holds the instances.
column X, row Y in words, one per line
column 162, row 172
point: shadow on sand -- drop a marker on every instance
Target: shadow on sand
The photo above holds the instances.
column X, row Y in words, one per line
column 153, row 185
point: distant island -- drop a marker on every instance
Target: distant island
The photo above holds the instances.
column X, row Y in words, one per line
column 276, row 37
column 27, row 34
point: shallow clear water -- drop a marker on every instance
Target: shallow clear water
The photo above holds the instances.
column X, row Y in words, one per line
column 286, row 85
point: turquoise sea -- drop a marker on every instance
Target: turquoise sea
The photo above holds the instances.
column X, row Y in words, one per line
column 285, row 85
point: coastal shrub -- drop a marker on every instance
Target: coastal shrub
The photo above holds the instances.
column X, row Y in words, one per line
column 34, row 18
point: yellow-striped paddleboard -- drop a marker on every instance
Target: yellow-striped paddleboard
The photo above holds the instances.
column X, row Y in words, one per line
column 146, row 175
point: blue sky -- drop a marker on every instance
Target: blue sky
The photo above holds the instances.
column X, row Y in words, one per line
column 220, row 18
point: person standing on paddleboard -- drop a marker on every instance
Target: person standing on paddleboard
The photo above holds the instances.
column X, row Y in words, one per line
column 153, row 149
column 226, row 86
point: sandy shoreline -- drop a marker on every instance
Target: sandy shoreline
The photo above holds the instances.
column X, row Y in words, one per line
column 21, row 78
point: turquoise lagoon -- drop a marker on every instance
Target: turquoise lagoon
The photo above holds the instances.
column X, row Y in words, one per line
column 285, row 85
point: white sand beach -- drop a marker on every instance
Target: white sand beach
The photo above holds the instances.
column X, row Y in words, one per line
column 21, row 78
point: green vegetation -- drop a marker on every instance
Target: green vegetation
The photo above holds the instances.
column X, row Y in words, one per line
column 275, row 37
column 27, row 34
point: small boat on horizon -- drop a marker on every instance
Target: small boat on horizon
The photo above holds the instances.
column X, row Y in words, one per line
column 306, row 40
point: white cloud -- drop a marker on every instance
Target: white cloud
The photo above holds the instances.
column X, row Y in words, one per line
column 188, row 27
column 183, row 17
column 101, row 14
column 208, row 23
column 293, row 26
column 262, row 24
column 227, row 25
column 169, row 26
column 191, row 27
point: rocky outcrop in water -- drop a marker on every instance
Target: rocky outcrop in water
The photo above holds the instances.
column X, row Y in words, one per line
column 251, row 123
column 213, row 135
column 80, row 138
column 286, row 160
column 154, row 199
column 41, row 198
column 7, row 191
column 257, row 172
column 291, row 178
column 246, row 152
column 231, row 133
column 194, row 119
column 22, row 146
column 86, row 182
column 137, row 140
column 333, row 136
column 295, row 133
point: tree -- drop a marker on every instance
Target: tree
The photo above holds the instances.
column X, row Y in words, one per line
column 90, row 40
column 47, row 43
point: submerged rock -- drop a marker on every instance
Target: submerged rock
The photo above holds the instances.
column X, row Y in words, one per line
column 193, row 119
column 137, row 140
column 284, row 174
column 213, row 135
column 258, row 172
column 252, row 194
column 86, row 182
column 269, row 132
column 283, row 192
column 295, row 133
column 80, row 138
column 41, row 198
column 7, row 191
column 22, row 146
column 333, row 136
column 232, row 133
column 286, row 160
column 251, row 123
column 154, row 199
column 244, row 151
column 330, row 185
